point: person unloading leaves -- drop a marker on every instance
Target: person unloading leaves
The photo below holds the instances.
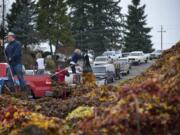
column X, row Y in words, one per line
column 89, row 78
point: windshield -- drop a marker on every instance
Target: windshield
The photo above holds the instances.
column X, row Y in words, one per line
column 99, row 69
column 123, row 60
column 108, row 53
column 135, row 54
column 100, row 59
column 158, row 51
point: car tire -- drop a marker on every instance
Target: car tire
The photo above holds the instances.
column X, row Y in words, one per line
column 105, row 82
column 119, row 77
column 146, row 61
column 113, row 79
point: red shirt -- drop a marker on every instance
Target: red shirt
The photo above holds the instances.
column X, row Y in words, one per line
column 61, row 73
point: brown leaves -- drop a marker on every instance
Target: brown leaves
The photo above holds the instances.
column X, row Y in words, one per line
column 147, row 104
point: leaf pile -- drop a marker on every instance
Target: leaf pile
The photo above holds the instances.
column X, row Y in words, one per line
column 146, row 105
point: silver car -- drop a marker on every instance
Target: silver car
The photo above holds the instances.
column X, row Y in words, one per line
column 125, row 65
column 156, row 54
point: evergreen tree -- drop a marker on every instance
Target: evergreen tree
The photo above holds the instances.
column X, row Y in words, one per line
column 22, row 21
column 53, row 22
column 79, row 20
column 137, row 34
column 96, row 23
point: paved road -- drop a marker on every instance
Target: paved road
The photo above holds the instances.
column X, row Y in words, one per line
column 135, row 71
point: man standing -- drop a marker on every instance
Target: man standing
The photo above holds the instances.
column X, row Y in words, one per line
column 40, row 64
column 13, row 53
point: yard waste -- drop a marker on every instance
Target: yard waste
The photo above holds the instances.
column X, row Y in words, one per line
column 146, row 105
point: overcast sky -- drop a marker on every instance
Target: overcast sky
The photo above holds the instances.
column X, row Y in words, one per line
column 160, row 12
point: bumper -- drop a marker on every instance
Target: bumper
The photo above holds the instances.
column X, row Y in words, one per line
column 123, row 72
column 100, row 82
column 134, row 61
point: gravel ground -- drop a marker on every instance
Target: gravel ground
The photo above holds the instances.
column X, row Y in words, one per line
column 135, row 71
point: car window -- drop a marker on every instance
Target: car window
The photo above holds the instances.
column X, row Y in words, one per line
column 29, row 72
column 100, row 59
column 108, row 53
column 99, row 69
column 135, row 54
column 158, row 51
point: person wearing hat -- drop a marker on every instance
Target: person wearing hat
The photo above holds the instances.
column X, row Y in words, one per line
column 13, row 53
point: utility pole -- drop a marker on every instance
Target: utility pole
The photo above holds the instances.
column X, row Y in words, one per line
column 162, row 31
column 123, row 31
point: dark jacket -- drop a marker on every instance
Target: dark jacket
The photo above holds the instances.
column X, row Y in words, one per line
column 14, row 52
column 75, row 57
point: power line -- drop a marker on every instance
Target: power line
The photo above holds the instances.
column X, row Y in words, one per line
column 162, row 31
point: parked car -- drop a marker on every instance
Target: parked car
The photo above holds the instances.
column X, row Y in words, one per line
column 156, row 54
column 147, row 56
column 111, row 54
column 102, row 60
column 104, row 73
column 125, row 65
column 60, row 57
column 38, row 85
column 137, row 57
column 125, row 54
column 118, row 54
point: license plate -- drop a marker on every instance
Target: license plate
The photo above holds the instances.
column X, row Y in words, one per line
column 100, row 82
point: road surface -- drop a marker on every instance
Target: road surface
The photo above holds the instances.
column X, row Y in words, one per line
column 135, row 71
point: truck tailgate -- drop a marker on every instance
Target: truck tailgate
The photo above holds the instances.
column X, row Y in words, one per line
column 40, row 84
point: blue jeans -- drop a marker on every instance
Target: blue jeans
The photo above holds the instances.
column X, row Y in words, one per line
column 17, row 70
column 40, row 72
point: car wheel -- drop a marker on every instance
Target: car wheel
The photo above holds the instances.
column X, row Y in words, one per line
column 113, row 79
column 119, row 76
column 105, row 82
column 139, row 62
column 146, row 61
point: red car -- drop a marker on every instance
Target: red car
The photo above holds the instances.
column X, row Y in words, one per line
column 39, row 85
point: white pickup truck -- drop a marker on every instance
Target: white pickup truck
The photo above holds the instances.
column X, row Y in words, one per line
column 137, row 57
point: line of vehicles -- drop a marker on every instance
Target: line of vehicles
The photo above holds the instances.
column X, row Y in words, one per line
column 107, row 68
column 110, row 66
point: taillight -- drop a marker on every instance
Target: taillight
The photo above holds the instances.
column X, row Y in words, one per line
column 48, row 82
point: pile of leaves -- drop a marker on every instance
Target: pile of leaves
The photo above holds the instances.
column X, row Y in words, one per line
column 148, row 105
column 15, row 121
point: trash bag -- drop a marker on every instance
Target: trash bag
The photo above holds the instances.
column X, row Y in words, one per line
column 86, row 64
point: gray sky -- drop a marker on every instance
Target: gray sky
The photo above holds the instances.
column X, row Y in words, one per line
column 160, row 12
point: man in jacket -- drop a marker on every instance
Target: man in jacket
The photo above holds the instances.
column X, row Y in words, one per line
column 13, row 53
column 75, row 57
